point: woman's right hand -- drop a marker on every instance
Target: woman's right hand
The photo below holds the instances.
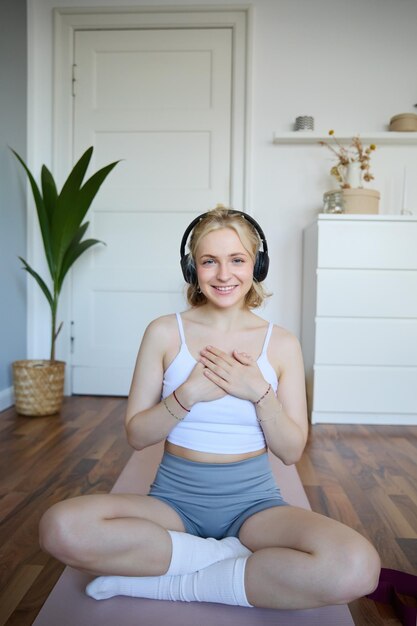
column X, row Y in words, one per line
column 198, row 388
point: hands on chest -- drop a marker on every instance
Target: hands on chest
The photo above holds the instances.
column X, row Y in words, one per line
column 237, row 374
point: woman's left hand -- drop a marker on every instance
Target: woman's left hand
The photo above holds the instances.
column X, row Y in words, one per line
column 239, row 375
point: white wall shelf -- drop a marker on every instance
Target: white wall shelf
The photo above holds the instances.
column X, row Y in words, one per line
column 313, row 137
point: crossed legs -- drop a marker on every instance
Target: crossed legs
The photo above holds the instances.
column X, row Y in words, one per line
column 300, row 559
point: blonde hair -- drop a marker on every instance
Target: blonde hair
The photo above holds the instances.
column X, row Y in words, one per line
column 222, row 217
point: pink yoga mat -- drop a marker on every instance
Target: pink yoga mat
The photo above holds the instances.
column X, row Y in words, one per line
column 67, row 604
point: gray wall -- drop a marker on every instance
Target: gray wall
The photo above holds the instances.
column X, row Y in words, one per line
column 13, row 80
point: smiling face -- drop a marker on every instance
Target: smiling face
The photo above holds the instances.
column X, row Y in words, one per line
column 224, row 268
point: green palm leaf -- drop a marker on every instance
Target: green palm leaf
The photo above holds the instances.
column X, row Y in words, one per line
column 60, row 219
column 72, row 254
column 76, row 176
column 42, row 214
column 39, row 280
column 67, row 202
column 80, row 233
column 72, row 207
column 50, row 194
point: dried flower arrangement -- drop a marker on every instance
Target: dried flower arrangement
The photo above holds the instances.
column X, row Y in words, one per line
column 354, row 153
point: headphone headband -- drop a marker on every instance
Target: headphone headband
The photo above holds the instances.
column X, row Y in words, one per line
column 261, row 262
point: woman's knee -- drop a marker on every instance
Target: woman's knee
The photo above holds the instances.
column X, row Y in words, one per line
column 366, row 567
column 356, row 573
column 58, row 531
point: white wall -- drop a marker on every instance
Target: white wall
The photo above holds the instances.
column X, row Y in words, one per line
column 349, row 63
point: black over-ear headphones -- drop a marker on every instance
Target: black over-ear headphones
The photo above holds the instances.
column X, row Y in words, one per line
column 260, row 268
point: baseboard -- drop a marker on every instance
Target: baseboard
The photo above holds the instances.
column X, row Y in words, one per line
column 6, row 398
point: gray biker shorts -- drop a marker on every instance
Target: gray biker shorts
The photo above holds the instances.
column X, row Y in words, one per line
column 214, row 499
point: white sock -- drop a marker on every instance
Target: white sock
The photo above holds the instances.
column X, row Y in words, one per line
column 191, row 553
column 222, row 582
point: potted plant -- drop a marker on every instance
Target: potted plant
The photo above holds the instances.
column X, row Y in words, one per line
column 352, row 169
column 39, row 384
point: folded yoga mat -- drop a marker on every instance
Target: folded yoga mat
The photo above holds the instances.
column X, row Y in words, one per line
column 67, row 604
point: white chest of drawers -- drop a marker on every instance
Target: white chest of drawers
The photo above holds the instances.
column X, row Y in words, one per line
column 359, row 318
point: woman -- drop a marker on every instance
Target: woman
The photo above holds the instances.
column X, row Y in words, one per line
column 215, row 527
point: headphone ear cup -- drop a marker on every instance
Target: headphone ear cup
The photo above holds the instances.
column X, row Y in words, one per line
column 260, row 269
column 261, row 265
column 188, row 270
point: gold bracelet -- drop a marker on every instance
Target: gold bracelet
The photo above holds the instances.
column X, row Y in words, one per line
column 265, row 394
column 268, row 419
column 179, row 419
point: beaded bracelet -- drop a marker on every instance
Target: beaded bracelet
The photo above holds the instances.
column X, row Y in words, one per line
column 265, row 394
column 181, row 405
column 179, row 419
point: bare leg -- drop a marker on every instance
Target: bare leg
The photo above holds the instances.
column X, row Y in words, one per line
column 301, row 560
column 118, row 534
column 304, row 560
column 126, row 535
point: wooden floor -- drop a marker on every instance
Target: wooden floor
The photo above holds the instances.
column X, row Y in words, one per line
column 363, row 476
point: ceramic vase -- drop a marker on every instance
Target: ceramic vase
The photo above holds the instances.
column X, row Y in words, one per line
column 354, row 175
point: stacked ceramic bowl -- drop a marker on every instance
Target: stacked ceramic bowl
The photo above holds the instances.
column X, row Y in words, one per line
column 404, row 122
column 304, row 122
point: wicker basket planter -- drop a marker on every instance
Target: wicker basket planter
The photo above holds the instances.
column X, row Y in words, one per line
column 38, row 386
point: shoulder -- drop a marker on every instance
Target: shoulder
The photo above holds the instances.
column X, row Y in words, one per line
column 161, row 331
column 163, row 324
column 284, row 337
column 284, row 347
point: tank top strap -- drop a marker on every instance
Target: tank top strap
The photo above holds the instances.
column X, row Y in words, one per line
column 267, row 338
column 180, row 327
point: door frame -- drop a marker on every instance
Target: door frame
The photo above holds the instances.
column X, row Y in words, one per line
column 68, row 21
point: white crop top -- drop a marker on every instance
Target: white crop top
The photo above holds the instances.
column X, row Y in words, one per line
column 225, row 426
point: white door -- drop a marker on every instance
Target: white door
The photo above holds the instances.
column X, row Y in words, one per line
column 160, row 100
